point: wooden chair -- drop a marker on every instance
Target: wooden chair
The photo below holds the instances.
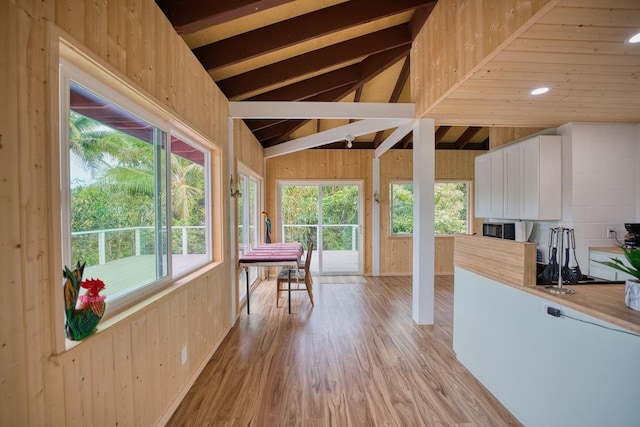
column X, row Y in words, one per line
column 283, row 278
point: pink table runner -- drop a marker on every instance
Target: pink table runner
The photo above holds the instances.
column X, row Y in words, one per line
column 286, row 255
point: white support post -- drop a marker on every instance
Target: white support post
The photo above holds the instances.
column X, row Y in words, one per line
column 423, row 220
column 375, row 243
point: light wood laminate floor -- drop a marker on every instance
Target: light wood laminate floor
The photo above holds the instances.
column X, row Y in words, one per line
column 355, row 359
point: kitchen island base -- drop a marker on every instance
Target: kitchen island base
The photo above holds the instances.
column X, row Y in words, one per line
column 548, row 371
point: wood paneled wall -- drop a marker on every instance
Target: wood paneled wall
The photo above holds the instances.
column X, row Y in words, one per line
column 247, row 149
column 395, row 252
column 439, row 63
column 353, row 165
column 502, row 136
column 130, row 372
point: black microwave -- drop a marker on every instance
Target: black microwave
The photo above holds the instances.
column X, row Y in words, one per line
column 501, row 230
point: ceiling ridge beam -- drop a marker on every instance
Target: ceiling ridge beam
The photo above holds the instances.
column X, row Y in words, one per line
column 372, row 66
column 190, row 16
column 251, row 81
column 296, row 30
column 356, row 129
column 320, row 110
column 308, row 88
column 401, row 81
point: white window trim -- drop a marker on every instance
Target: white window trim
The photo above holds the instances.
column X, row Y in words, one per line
column 74, row 65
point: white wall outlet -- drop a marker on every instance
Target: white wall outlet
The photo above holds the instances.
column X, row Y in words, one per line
column 184, row 355
column 611, row 232
column 546, row 304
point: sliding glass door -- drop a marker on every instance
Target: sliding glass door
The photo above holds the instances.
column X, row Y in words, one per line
column 329, row 213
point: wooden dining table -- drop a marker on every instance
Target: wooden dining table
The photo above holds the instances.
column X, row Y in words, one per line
column 285, row 255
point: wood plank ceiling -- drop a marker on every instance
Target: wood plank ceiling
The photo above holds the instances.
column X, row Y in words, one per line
column 358, row 51
column 311, row 50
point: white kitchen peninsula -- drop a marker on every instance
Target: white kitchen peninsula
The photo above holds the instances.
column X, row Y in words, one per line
column 571, row 370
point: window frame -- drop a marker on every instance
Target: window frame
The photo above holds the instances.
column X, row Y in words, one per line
column 457, row 181
column 94, row 77
column 252, row 176
column 439, row 181
column 391, row 184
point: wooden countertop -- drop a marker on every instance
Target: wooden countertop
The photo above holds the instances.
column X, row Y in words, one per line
column 604, row 302
column 611, row 249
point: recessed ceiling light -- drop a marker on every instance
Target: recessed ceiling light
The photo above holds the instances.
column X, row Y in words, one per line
column 635, row 38
column 539, row 91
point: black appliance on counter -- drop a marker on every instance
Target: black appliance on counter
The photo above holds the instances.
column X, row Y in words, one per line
column 632, row 238
column 501, row 230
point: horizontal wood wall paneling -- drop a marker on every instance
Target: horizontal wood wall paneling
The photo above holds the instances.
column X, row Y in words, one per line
column 502, row 260
column 323, row 165
column 396, row 253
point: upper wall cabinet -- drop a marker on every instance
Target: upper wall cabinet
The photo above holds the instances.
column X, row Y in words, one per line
column 530, row 185
column 489, row 185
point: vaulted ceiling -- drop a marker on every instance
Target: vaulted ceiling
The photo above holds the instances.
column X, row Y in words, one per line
column 312, row 50
column 358, row 51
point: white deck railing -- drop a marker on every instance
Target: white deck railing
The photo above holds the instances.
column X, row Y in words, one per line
column 102, row 238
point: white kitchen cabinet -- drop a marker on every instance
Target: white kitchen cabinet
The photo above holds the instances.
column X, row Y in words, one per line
column 541, row 178
column 512, row 181
column 604, row 272
column 489, row 183
column 530, row 186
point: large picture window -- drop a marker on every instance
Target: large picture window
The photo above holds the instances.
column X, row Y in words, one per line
column 134, row 192
column 451, row 201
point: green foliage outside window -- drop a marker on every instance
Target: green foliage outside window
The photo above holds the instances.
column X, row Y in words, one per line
column 450, row 208
column 339, row 209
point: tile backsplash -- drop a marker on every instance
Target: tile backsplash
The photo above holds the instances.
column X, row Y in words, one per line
column 600, row 185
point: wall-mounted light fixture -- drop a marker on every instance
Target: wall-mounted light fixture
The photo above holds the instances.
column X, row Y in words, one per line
column 349, row 139
column 376, row 197
column 234, row 185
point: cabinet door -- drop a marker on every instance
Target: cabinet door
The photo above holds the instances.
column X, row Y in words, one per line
column 483, row 186
column 489, row 185
column 497, row 184
column 530, row 179
column 541, row 178
column 512, row 182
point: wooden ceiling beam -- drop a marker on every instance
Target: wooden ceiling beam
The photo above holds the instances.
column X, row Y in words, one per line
column 290, row 69
column 189, row 16
column 369, row 68
column 306, row 89
column 401, row 81
column 440, row 133
column 466, row 136
column 408, row 139
column 280, row 128
column 419, row 18
column 297, row 30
